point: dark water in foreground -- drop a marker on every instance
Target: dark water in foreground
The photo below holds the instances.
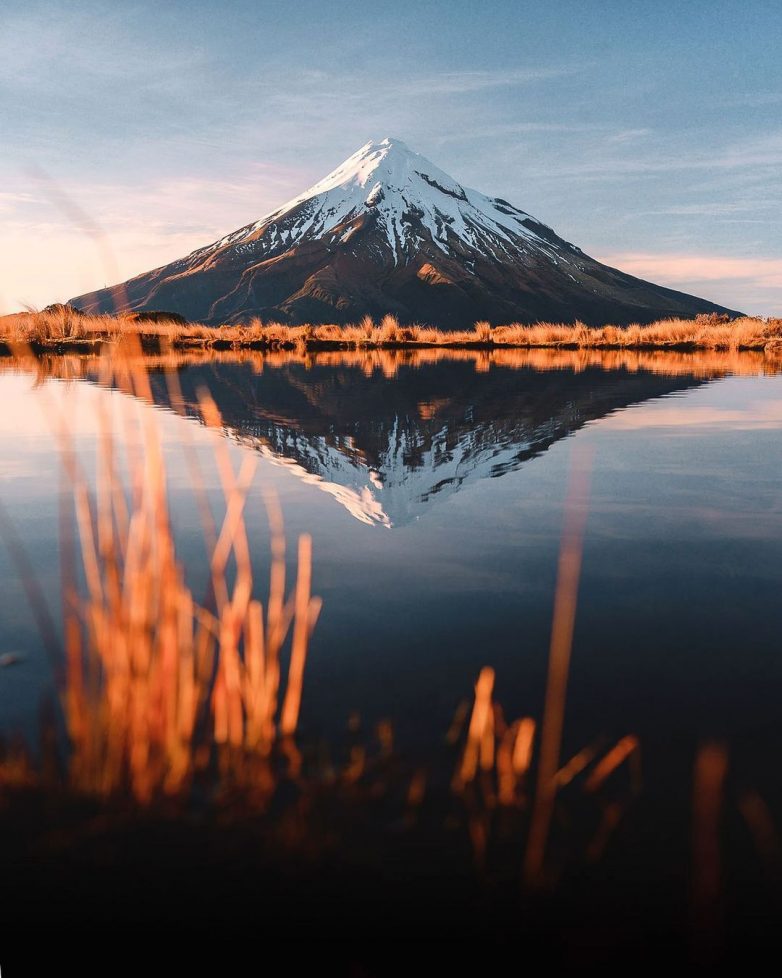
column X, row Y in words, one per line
column 435, row 500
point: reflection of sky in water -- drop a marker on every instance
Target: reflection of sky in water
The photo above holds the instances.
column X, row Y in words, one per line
column 679, row 616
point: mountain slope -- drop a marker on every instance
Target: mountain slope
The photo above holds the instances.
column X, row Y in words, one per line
column 389, row 232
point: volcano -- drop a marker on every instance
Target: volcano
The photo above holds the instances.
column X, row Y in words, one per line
column 388, row 232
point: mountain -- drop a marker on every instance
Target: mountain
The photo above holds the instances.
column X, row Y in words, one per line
column 389, row 448
column 389, row 232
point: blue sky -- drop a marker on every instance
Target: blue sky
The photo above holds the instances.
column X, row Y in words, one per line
column 650, row 134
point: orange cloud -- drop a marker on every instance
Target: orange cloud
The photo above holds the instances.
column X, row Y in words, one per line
column 677, row 269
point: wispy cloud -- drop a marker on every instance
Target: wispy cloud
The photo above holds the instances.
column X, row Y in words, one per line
column 464, row 82
column 144, row 225
column 716, row 208
column 762, row 151
column 752, row 99
column 629, row 135
column 753, row 285
column 76, row 46
column 505, row 129
column 675, row 269
column 11, row 201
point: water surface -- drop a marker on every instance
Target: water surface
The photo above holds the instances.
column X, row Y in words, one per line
column 434, row 492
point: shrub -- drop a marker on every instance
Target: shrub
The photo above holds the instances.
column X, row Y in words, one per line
column 712, row 318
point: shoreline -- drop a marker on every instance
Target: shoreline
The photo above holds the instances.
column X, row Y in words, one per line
column 63, row 330
column 155, row 344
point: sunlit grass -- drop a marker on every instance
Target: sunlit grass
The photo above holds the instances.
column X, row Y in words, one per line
column 62, row 327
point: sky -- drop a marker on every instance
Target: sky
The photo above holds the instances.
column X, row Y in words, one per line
column 647, row 133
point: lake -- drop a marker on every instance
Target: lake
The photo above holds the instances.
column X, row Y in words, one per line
column 434, row 488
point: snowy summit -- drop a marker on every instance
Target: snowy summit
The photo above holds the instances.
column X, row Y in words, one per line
column 395, row 184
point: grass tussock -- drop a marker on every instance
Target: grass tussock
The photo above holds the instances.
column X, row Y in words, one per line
column 62, row 327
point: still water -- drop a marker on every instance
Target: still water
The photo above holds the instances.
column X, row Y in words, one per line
column 434, row 493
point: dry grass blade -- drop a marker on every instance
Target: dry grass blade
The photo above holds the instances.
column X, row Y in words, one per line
column 565, row 600
column 764, row 833
column 522, row 748
column 480, row 727
column 577, row 763
column 627, row 747
column 306, row 614
column 711, row 767
column 514, row 755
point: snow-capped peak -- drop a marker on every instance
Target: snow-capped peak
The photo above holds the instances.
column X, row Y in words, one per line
column 406, row 195
column 388, row 162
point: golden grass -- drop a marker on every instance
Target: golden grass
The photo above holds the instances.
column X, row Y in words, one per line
column 62, row 327
column 157, row 682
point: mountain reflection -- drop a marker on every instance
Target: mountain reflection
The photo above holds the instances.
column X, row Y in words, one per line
column 389, row 446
